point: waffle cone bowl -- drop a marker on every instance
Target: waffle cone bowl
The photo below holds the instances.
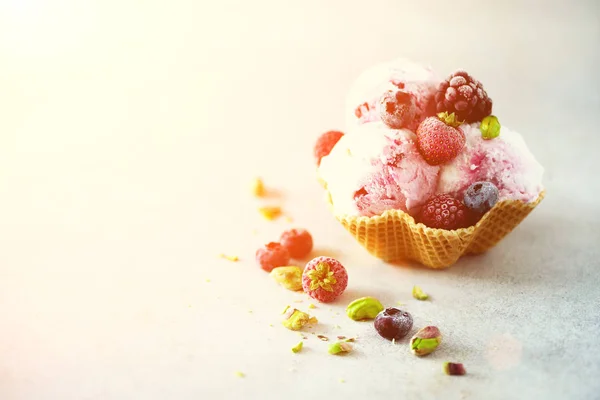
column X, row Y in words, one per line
column 395, row 236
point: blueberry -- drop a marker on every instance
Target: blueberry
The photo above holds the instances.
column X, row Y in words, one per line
column 393, row 323
column 396, row 109
column 481, row 196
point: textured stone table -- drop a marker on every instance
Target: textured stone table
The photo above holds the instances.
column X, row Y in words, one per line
column 129, row 132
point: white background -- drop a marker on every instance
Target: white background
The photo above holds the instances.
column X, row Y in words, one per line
column 130, row 130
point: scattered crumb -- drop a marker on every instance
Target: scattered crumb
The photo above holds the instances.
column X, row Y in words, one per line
column 285, row 309
column 300, row 301
column 323, row 338
column 393, row 340
column 271, row 325
column 208, row 281
column 250, row 311
column 342, row 380
column 400, row 303
column 312, row 306
column 258, row 187
column 288, row 219
column 270, row 213
column 230, row 258
column 189, row 306
column 338, row 327
column 240, row 374
column 351, row 340
column 341, row 337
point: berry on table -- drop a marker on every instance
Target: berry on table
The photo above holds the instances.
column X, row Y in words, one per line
column 272, row 255
column 439, row 139
column 324, row 279
column 325, row 143
column 396, row 109
column 298, row 242
column 460, row 93
column 444, row 212
column 481, row 197
column 393, row 323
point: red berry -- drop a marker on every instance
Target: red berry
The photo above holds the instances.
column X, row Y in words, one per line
column 272, row 255
column 397, row 109
column 463, row 95
column 438, row 142
column 324, row 279
column 298, row 242
column 444, row 212
column 325, row 143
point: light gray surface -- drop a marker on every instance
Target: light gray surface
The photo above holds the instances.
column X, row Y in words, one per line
column 128, row 137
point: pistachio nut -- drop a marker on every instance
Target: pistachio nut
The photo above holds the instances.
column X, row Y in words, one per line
column 339, row 347
column 425, row 341
column 296, row 319
column 419, row 294
column 288, row 277
column 364, row 308
column 490, row 127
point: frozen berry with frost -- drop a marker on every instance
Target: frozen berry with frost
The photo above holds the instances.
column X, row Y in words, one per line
column 481, row 197
column 439, row 139
column 393, row 323
column 444, row 212
column 298, row 242
column 325, row 143
column 397, row 109
column 463, row 95
column 272, row 255
column 324, row 279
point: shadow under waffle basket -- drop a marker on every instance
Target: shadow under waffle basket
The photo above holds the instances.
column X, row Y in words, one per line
column 395, row 236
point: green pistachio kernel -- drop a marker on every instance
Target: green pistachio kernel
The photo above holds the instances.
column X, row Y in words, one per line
column 364, row 308
column 296, row 319
column 425, row 341
column 289, row 277
column 490, row 127
column 339, row 347
column 298, row 347
column 419, row 294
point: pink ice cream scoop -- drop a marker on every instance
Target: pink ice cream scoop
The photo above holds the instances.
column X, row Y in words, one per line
column 504, row 161
column 419, row 82
column 374, row 168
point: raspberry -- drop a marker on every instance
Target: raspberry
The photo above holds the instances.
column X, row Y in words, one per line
column 325, row 143
column 298, row 242
column 324, row 279
column 272, row 255
column 439, row 142
column 444, row 212
column 463, row 95
column 397, row 109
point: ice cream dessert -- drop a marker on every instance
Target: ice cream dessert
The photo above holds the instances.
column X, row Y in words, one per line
column 425, row 156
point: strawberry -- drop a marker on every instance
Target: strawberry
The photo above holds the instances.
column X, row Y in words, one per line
column 439, row 139
column 444, row 212
column 325, row 143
